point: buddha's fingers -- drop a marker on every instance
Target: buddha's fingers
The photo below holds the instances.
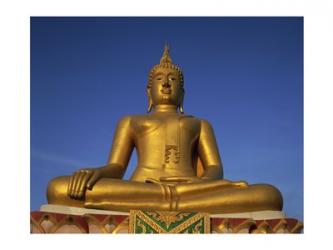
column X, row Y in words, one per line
column 235, row 183
column 78, row 184
column 70, row 185
column 93, row 179
column 180, row 179
column 240, row 184
column 83, row 184
column 74, row 179
column 152, row 180
column 174, row 179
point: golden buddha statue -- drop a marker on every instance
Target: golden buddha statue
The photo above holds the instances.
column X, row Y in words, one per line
column 179, row 166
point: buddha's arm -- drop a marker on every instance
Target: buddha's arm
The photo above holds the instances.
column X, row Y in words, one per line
column 210, row 157
column 120, row 154
column 209, row 153
column 121, row 150
column 122, row 147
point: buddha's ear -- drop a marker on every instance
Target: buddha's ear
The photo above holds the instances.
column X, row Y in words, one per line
column 150, row 100
column 181, row 103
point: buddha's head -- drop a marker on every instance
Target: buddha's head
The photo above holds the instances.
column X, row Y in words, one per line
column 166, row 84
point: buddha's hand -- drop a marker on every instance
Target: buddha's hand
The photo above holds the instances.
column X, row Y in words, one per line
column 180, row 179
column 82, row 180
column 235, row 183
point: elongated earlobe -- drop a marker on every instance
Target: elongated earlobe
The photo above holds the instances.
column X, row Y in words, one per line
column 150, row 101
column 181, row 103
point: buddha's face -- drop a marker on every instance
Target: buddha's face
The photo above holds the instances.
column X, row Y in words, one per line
column 166, row 87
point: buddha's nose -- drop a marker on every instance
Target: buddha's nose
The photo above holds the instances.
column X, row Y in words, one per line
column 166, row 83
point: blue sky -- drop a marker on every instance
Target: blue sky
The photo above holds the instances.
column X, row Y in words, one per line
column 243, row 74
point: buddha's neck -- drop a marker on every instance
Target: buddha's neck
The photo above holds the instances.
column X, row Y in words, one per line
column 165, row 108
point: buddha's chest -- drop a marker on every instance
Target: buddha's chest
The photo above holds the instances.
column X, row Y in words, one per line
column 166, row 141
column 167, row 129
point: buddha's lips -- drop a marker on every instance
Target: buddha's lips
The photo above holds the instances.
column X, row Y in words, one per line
column 166, row 91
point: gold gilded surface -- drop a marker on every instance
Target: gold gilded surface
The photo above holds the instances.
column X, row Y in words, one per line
column 179, row 166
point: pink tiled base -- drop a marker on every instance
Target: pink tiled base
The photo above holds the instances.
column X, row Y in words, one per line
column 47, row 222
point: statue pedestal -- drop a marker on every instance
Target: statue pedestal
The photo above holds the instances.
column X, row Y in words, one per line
column 63, row 219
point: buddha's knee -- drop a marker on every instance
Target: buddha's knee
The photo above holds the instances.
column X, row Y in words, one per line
column 57, row 189
column 269, row 196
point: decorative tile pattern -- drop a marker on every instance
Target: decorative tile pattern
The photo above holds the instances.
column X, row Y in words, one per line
column 41, row 222
column 157, row 222
column 168, row 222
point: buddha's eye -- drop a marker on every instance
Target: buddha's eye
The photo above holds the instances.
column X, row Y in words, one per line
column 159, row 78
column 172, row 78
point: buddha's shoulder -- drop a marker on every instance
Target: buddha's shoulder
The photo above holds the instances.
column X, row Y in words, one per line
column 200, row 120
column 135, row 119
column 201, row 123
column 196, row 123
column 149, row 117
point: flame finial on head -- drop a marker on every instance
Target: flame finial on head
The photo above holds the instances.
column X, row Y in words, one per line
column 166, row 59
